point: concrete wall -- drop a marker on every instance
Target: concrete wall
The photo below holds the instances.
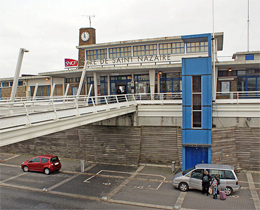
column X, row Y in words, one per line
column 108, row 144
column 143, row 144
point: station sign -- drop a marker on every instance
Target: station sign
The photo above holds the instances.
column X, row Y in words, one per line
column 129, row 60
column 70, row 63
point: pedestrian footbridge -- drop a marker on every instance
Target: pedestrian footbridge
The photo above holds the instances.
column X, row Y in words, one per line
column 29, row 118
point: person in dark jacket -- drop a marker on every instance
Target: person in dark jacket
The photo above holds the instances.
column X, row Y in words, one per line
column 206, row 182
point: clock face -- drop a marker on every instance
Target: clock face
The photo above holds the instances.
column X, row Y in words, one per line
column 85, row 36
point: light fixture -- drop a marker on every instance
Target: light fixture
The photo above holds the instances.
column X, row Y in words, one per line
column 160, row 73
column 46, row 79
column 230, row 69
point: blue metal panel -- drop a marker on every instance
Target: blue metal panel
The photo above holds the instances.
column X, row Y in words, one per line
column 206, row 90
column 186, row 90
column 197, row 136
column 196, row 66
column 206, row 117
column 195, row 155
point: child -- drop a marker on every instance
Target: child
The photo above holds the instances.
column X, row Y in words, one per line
column 214, row 184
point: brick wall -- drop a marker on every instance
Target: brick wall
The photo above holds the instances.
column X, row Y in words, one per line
column 6, row 92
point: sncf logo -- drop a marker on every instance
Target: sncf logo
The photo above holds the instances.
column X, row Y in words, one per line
column 70, row 62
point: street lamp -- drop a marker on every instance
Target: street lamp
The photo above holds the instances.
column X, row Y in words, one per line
column 17, row 72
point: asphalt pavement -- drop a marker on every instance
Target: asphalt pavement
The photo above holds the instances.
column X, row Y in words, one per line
column 147, row 186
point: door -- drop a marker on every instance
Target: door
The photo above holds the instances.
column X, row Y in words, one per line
column 34, row 164
column 74, row 90
column 44, row 162
column 195, row 155
column 196, row 179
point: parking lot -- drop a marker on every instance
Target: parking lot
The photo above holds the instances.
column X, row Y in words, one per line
column 144, row 185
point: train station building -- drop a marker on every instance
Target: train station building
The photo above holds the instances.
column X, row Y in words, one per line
column 217, row 102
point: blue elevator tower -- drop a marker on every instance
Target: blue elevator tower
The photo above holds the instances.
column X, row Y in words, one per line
column 196, row 104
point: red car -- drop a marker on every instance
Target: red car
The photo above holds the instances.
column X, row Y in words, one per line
column 42, row 163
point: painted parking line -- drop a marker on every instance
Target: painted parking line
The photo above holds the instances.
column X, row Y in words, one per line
column 13, row 177
column 253, row 190
column 11, row 157
column 62, row 182
column 113, row 192
column 180, row 200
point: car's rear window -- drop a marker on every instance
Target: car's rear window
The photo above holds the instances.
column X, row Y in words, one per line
column 54, row 159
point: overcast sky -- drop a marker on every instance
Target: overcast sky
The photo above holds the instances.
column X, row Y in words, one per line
column 49, row 28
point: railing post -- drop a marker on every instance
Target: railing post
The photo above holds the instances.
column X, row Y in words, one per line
column 27, row 113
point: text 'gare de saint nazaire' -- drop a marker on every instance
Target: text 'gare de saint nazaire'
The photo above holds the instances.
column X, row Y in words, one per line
column 130, row 59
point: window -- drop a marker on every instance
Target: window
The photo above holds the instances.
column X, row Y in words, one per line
column 91, row 54
column 177, row 48
column 20, row 83
column 35, row 160
column 197, row 174
column 196, row 101
column 171, row 48
column 114, row 52
column 54, row 159
column 101, row 53
column 229, row 175
column 119, row 52
column 145, row 50
column 249, row 57
column 69, row 80
column 96, row 54
column 44, row 160
column 5, row 84
column 125, row 51
column 197, row 47
column 77, row 79
column 225, row 87
column 219, row 172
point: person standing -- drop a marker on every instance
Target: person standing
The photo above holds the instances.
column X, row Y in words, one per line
column 206, row 182
column 214, row 184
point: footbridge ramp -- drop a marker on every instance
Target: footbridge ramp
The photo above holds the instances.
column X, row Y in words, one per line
column 29, row 118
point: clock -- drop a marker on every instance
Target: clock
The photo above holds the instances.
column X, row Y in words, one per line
column 85, row 36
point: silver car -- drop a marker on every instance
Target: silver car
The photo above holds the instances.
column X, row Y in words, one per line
column 192, row 178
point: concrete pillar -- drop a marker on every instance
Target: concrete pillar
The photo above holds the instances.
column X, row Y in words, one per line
column 152, row 82
column 108, row 85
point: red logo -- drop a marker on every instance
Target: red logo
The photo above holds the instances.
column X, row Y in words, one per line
column 70, row 62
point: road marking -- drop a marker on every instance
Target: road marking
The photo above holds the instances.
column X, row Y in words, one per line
column 139, row 204
column 13, row 177
column 63, row 182
column 11, row 157
column 113, row 192
column 16, row 166
column 180, row 200
column 253, row 190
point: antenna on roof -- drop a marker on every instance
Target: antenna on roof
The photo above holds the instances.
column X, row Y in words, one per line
column 89, row 17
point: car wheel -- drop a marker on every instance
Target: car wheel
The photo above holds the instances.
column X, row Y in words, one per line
column 47, row 171
column 228, row 191
column 183, row 187
column 25, row 169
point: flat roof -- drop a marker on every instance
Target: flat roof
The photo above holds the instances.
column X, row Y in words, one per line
column 218, row 36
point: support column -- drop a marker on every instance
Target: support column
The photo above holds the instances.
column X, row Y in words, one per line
column 152, row 82
column 108, row 85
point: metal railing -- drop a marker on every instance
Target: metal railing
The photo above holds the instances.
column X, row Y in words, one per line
column 238, row 95
column 44, row 109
